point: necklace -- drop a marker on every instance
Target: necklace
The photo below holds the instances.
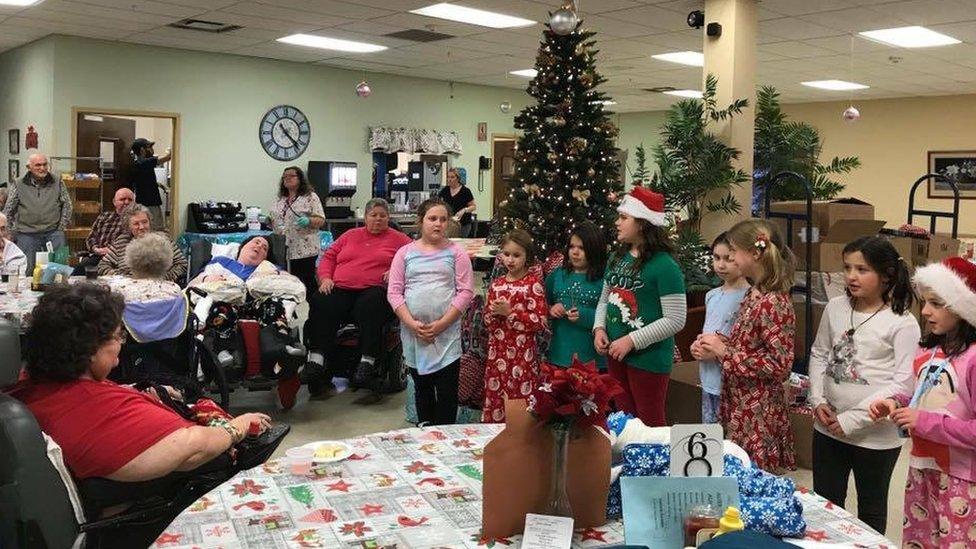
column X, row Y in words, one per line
column 854, row 328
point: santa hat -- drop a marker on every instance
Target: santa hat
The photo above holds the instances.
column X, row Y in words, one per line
column 644, row 204
column 954, row 281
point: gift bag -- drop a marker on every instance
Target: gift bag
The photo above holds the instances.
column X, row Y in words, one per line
column 517, row 467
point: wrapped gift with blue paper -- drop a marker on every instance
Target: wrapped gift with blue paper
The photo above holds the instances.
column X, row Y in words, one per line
column 768, row 502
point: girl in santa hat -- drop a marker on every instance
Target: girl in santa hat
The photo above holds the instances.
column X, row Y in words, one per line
column 758, row 355
column 515, row 311
column 939, row 411
column 642, row 307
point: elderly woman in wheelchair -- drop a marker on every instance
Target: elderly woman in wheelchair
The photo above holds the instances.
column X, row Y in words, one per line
column 246, row 307
column 123, row 445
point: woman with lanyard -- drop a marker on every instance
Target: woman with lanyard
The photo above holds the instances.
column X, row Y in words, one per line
column 298, row 215
column 939, row 411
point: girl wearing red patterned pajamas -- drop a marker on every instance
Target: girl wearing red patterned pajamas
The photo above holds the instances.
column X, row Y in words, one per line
column 515, row 311
column 758, row 356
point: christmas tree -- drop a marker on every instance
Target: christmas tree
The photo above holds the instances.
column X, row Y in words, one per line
column 566, row 167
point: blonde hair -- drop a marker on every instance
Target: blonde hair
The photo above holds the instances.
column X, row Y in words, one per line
column 776, row 259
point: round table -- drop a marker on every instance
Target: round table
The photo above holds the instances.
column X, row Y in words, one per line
column 412, row 488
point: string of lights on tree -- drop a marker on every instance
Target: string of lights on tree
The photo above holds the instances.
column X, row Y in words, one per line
column 566, row 167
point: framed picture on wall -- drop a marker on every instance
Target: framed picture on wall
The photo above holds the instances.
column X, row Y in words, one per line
column 958, row 166
column 13, row 137
column 13, row 170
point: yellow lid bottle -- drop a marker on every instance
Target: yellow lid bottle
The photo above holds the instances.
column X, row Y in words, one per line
column 730, row 521
column 36, row 277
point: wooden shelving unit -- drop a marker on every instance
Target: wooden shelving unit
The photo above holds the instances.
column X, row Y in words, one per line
column 86, row 203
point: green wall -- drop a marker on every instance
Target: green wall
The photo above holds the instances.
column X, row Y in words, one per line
column 637, row 128
column 222, row 97
column 26, row 98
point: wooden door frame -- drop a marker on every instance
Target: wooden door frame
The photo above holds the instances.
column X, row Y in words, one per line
column 174, row 217
column 497, row 137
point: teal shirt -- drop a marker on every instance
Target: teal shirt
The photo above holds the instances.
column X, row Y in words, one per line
column 569, row 338
column 634, row 301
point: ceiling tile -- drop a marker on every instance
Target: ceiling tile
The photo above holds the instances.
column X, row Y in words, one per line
column 285, row 14
column 335, row 8
column 281, row 51
column 855, row 20
column 927, row 12
column 795, row 29
column 651, row 17
column 145, row 6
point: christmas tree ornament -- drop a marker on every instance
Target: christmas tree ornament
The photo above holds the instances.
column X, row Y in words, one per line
column 582, row 195
column 611, row 196
column 590, row 172
column 505, row 106
column 363, row 89
column 851, row 114
column 587, row 79
column 564, row 20
column 558, row 121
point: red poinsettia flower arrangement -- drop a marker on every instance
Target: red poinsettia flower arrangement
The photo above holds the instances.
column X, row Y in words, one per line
column 577, row 395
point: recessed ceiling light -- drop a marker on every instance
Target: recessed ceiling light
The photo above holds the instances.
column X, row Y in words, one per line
column 835, row 85
column 527, row 73
column 693, row 58
column 326, row 43
column 472, row 16
column 694, row 94
column 18, row 2
column 910, row 37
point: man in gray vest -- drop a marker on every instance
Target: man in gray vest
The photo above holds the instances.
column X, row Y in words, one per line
column 38, row 210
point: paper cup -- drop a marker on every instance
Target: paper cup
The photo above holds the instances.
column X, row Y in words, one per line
column 300, row 460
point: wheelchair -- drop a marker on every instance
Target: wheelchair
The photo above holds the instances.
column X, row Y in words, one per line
column 391, row 371
column 225, row 355
column 36, row 505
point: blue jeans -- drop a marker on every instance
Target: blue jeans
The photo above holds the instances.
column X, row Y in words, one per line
column 31, row 243
column 710, row 407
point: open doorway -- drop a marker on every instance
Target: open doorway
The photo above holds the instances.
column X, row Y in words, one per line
column 503, row 167
column 104, row 137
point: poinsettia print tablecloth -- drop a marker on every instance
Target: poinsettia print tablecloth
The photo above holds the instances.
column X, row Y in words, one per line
column 407, row 489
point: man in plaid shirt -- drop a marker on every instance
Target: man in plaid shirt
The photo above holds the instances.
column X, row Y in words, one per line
column 108, row 226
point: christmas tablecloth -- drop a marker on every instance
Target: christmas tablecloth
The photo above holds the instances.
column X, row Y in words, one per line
column 408, row 489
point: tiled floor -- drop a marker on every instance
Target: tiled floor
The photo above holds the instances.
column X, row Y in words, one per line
column 341, row 417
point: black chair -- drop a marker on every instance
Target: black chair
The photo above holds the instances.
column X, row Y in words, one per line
column 35, row 509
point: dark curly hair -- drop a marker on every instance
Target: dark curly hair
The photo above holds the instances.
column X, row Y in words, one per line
column 304, row 187
column 68, row 326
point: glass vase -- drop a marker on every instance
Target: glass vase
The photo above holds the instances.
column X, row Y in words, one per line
column 558, row 502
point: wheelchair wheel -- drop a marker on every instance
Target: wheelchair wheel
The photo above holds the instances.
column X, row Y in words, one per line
column 395, row 378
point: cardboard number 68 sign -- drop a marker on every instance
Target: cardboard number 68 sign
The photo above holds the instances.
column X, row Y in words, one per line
column 697, row 450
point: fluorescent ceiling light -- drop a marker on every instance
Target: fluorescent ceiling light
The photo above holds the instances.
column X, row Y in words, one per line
column 835, row 85
column 910, row 37
column 693, row 58
column 694, row 94
column 326, row 43
column 462, row 14
column 527, row 73
column 18, row 2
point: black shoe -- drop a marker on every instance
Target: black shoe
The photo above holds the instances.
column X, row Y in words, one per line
column 365, row 373
column 314, row 372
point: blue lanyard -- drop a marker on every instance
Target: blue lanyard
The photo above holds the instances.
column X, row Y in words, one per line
column 930, row 378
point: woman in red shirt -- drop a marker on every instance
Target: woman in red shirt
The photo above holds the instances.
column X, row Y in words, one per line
column 104, row 429
column 352, row 287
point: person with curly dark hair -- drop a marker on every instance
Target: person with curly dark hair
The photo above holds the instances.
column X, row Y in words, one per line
column 105, row 429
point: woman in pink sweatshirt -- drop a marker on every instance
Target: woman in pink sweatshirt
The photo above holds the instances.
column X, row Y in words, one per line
column 352, row 276
column 940, row 412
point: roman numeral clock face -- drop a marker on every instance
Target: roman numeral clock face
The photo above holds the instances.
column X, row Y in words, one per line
column 284, row 133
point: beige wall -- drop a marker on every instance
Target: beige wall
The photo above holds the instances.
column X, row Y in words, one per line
column 26, row 98
column 636, row 128
column 892, row 139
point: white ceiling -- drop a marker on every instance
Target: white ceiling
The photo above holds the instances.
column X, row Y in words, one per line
column 799, row 40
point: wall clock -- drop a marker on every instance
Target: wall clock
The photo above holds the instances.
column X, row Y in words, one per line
column 284, row 133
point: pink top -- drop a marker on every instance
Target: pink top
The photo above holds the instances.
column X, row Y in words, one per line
column 359, row 259
column 944, row 438
column 462, row 284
